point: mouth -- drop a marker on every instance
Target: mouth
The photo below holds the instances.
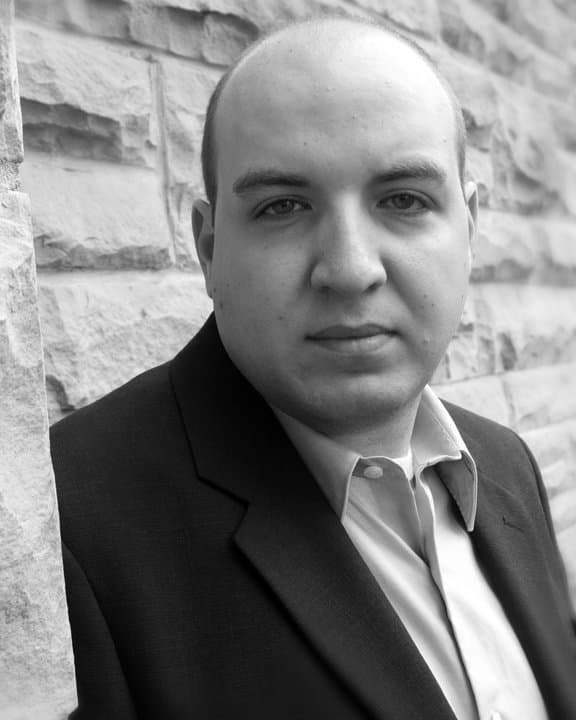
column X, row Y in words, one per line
column 353, row 339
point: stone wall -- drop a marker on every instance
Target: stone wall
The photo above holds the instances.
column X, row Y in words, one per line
column 36, row 664
column 113, row 96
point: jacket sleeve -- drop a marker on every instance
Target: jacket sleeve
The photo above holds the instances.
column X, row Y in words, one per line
column 102, row 689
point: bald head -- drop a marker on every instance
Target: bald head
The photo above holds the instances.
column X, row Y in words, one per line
column 317, row 48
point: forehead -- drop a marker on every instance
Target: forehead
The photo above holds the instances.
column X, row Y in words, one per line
column 329, row 94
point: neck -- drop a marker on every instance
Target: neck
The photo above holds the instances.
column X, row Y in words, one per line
column 390, row 436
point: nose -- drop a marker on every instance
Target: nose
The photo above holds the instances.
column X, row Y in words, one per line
column 348, row 259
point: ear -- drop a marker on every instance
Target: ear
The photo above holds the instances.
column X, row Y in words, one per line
column 203, row 229
column 471, row 199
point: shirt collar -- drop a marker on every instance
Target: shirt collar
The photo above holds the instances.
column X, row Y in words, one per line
column 435, row 439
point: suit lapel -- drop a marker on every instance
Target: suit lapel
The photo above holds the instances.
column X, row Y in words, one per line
column 296, row 542
column 509, row 542
column 300, row 548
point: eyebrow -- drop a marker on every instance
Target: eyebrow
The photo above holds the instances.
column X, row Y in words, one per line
column 411, row 169
column 256, row 179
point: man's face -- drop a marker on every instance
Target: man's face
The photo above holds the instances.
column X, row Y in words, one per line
column 340, row 256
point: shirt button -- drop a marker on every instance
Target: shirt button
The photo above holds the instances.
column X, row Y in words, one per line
column 373, row 472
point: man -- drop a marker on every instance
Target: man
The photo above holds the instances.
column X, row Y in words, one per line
column 284, row 521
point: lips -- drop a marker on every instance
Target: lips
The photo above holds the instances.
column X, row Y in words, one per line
column 353, row 340
column 350, row 332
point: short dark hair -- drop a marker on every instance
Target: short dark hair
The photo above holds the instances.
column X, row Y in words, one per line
column 209, row 154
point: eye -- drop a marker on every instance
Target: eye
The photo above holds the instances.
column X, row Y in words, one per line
column 282, row 207
column 405, row 202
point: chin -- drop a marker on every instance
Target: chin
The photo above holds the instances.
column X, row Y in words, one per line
column 353, row 409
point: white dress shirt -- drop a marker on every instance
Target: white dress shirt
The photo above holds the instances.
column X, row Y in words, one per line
column 413, row 533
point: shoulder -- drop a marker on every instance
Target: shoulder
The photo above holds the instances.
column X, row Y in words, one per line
column 115, row 459
column 118, row 419
column 497, row 450
column 475, row 425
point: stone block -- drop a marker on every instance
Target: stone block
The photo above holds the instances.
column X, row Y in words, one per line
column 562, row 119
column 418, row 17
column 512, row 248
column 36, row 661
column 186, row 90
column 176, row 30
column 552, row 76
column 522, row 148
column 505, row 249
column 224, row 37
column 471, row 351
column 541, row 396
column 101, row 329
column 463, row 27
column 527, row 326
column 9, row 177
column 96, row 215
column 558, row 240
column 511, row 327
column 477, row 94
column 262, row 14
column 538, row 20
column 92, row 17
column 483, row 395
column 213, row 37
column 566, row 180
column 470, row 30
column 10, row 120
column 566, row 6
column 84, row 99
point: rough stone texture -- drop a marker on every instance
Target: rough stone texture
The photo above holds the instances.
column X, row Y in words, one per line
column 10, row 118
column 477, row 93
column 562, row 117
column 520, row 250
column 541, row 396
column 538, row 20
column 97, row 215
column 566, row 169
column 511, row 327
column 526, row 327
column 523, row 155
column 36, row 660
column 420, row 17
column 36, row 663
column 185, row 93
column 482, row 395
column 124, row 83
column 108, row 19
column 471, row 30
column 212, row 37
column 140, row 320
column 84, row 100
column 263, row 14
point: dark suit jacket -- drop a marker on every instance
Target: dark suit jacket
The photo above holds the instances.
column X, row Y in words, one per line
column 208, row 578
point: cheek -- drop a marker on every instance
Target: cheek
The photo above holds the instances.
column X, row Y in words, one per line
column 438, row 287
column 252, row 298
